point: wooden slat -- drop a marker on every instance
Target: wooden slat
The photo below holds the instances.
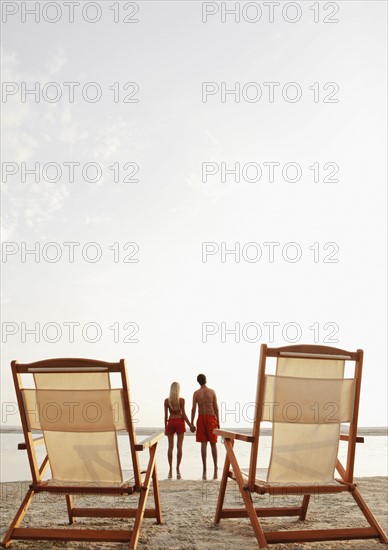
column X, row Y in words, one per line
column 301, row 489
column 25, row 369
column 314, row 356
column 66, row 363
column 312, row 349
column 72, row 534
column 354, row 423
column 77, row 489
column 65, row 370
column 298, row 489
column 36, row 441
column 111, row 512
column 345, row 437
column 234, row 435
column 321, row 535
column 17, row 379
column 130, row 426
column 257, row 421
column 149, row 441
column 262, row 512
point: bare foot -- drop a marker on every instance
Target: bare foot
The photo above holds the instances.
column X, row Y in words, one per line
column 204, row 477
column 215, row 476
column 169, row 474
column 178, row 474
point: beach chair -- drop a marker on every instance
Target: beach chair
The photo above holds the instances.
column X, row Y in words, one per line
column 79, row 415
column 306, row 399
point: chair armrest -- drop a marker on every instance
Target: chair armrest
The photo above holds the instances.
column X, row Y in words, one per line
column 149, row 441
column 37, row 441
column 234, row 435
column 345, row 437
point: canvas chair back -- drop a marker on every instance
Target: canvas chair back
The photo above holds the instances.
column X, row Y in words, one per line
column 79, row 414
column 306, row 401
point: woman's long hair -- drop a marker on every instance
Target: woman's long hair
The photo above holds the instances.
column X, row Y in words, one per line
column 174, row 396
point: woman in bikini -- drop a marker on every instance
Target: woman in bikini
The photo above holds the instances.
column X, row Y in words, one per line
column 174, row 422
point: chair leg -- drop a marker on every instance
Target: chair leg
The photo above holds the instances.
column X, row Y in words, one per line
column 305, row 503
column 222, row 490
column 18, row 518
column 155, row 486
column 69, row 504
column 144, row 490
column 369, row 515
column 247, row 498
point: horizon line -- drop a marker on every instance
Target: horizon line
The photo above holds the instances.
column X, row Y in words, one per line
column 378, row 430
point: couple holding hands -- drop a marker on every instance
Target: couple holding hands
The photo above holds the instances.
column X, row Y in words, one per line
column 175, row 418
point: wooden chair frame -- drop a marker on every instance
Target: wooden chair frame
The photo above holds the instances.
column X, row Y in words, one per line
column 249, row 485
column 140, row 486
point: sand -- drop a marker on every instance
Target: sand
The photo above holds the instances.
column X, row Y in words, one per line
column 188, row 509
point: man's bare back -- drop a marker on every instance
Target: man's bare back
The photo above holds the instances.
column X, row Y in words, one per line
column 206, row 400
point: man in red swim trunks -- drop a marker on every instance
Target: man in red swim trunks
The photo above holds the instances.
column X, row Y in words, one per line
column 207, row 421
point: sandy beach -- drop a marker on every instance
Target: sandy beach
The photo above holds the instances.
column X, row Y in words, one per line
column 188, row 509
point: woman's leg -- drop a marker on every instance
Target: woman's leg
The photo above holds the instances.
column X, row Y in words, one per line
column 169, row 453
column 179, row 454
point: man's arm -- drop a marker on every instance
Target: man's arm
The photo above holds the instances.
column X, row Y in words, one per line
column 193, row 408
column 215, row 407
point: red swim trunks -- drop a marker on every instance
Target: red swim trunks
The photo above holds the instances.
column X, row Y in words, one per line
column 175, row 426
column 205, row 426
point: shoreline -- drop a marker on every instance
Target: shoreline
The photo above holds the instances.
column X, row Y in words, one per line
column 374, row 430
column 188, row 509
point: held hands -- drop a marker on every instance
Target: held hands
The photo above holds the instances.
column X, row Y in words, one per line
column 192, row 428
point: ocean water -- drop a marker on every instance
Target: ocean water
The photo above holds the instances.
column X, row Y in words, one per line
column 371, row 457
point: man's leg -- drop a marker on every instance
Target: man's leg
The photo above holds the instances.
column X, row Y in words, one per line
column 203, row 454
column 169, row 453
column 214, row 455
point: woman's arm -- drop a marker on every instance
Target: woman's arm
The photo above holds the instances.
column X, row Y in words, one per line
column 165, row 414
column 184, row 415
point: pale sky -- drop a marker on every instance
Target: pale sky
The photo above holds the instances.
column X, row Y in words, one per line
column 180, row 301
